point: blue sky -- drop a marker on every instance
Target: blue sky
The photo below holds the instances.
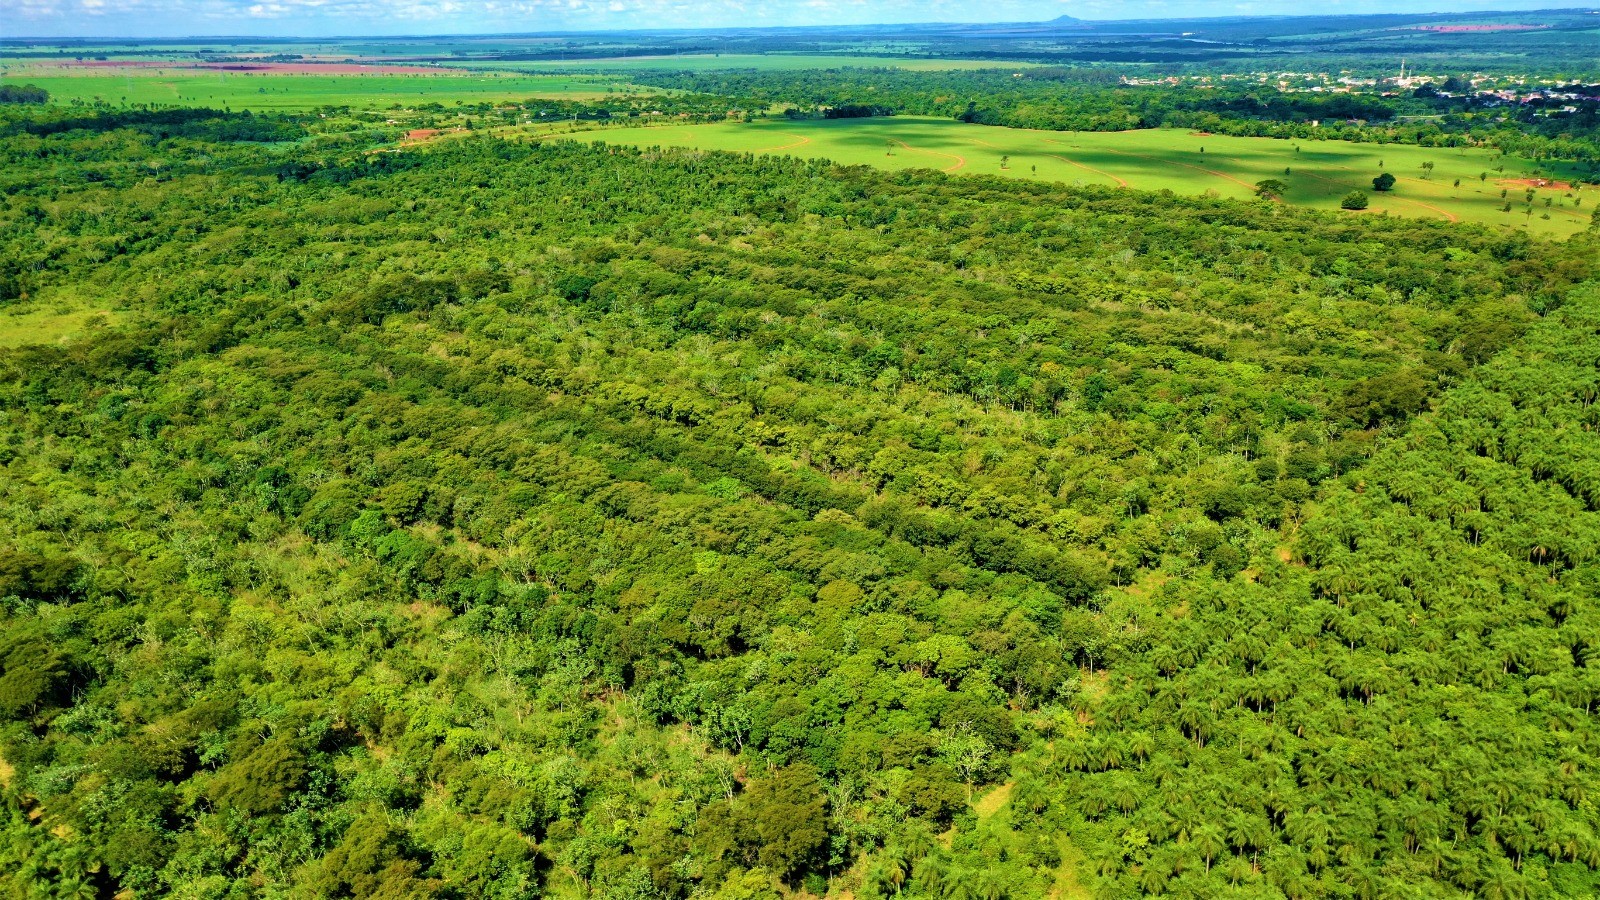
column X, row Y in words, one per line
column 170, row 18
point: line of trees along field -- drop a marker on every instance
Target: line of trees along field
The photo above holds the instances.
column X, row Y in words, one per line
column 583, row 521
column 1091, row 100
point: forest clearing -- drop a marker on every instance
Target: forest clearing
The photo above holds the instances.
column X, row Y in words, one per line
column 1463, row 184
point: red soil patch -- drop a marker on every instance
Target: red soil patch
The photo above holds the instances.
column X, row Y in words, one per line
column 1457, row 29
column 421, row 134
column 263, row 68
column 1547, row 183
column 1200, row 134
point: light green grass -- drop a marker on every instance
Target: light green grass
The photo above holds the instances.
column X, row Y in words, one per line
column 767, row 62
column 1320, row 172
column 48, row 323
column 264, row 92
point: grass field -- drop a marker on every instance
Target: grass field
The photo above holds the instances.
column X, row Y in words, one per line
column 1318, row 173
column 261, row 92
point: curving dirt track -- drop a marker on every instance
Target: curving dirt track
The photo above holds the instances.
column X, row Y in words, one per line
column 1121, row 182
column 801, row 142
column 1172, row 162
column 1448, row 216
column 960, row 160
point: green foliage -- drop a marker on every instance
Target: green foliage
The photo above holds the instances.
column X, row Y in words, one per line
column 584, row 521
column 1410, row 702
column 261, row 779
column 1271, row 188
column 23, row 93
column 1353, row 200
column 370, row 861
column 1384, row 182
column 35, row 670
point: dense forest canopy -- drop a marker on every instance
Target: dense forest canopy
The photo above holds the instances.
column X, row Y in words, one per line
column 550, row 519
column 25, row 93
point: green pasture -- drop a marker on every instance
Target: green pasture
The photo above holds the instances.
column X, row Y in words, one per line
column 1317, row 173
column 257, row 91
column 767, row 62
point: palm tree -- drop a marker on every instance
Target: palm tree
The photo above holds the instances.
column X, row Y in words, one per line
column 992, row 885
column 1502, row 883
column 890, row 872
column 962, row 884
column 1209, row 841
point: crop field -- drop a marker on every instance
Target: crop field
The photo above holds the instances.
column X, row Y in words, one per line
column 295, row 90
column 1467, row 185
column 769, row 62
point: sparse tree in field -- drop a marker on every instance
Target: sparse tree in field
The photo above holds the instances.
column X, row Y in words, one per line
column 1483, row 176
column 1384, row 182
column 1354, row 200
column 1457, row 184
column 1271, row 189
column 1427, row 169
column 1005, row 162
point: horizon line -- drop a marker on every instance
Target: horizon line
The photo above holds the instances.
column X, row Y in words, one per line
column 1590, row 10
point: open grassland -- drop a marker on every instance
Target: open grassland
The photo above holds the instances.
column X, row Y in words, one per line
column 271, row 91
column 767, row 62
column 40, row 322
column 1317, row 173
